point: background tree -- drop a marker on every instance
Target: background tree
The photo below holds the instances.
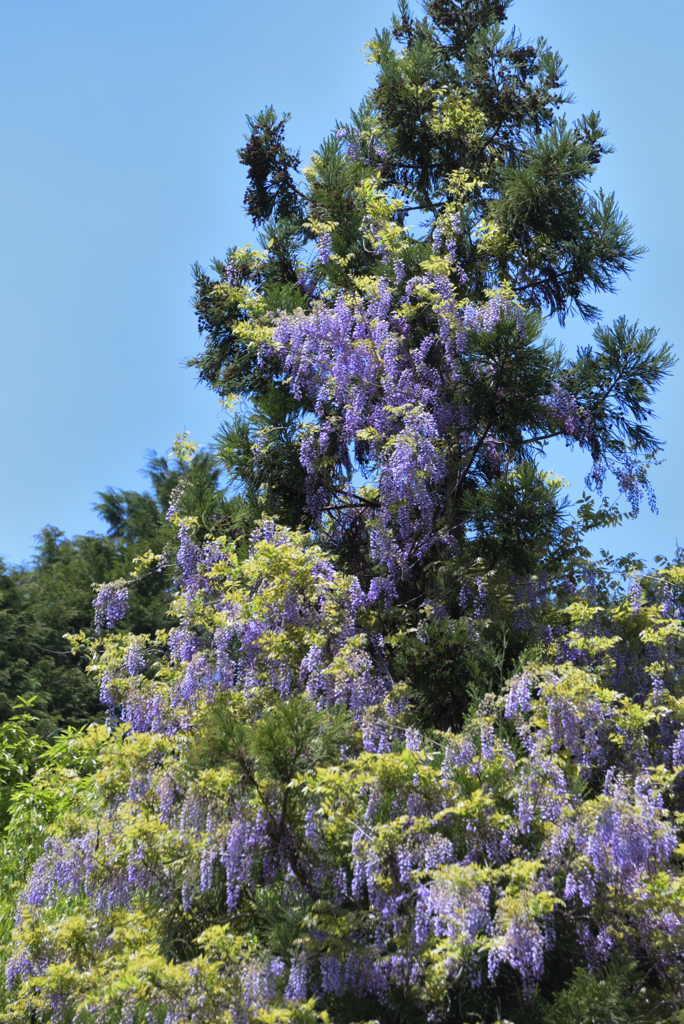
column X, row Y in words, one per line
column 53, row 596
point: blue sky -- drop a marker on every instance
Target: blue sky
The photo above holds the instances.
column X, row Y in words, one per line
column 120, row 120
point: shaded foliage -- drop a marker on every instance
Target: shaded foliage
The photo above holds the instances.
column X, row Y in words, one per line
column 53, row 595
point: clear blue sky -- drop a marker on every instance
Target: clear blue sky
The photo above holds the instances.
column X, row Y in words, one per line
column 120, row 120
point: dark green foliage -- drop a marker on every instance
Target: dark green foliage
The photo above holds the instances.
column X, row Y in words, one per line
column 53, row 596
column 41, row 604
column 613, row 996
column 292, row 736
column 180, row 928
column 269, row 164
column 450, row 664
column 261, row 455
column 227, row 363
column 616, row 379
column 516, row 523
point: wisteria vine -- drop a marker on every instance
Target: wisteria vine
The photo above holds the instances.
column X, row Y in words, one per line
column 435, row 860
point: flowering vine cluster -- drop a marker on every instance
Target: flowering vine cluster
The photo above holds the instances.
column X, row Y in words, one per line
column 269, row 769
column 413, row 407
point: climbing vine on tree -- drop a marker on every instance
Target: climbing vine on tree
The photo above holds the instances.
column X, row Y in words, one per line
column 402, row 752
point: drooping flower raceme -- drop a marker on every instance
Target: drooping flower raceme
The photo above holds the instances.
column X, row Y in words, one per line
column 111, row 604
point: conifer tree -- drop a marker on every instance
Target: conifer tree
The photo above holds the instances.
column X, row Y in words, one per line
column 389, row 338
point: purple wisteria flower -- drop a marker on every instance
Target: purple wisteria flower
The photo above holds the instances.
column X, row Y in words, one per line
column 110, row 604
column 134, row 660
column 324, row 247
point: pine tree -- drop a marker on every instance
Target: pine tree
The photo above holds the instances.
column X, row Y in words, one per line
column 400, row 389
